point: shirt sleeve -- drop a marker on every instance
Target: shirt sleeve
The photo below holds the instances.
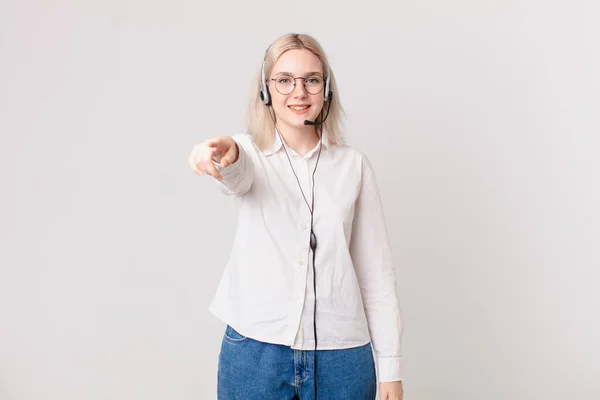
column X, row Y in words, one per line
column 237, row 177
column 372, row 258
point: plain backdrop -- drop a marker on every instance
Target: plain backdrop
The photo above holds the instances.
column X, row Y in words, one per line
column 480, row 118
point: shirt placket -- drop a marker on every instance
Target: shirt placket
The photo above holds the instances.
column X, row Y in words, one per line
column 302, row 259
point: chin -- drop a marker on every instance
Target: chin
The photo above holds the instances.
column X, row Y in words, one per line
column 297, row 122
column 300, row 124
column 299, row 119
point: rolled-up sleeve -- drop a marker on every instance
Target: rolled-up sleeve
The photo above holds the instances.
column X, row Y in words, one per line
column 237, row 177
column 372, row 258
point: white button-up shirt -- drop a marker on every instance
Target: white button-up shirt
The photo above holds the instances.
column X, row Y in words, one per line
column 266, row 290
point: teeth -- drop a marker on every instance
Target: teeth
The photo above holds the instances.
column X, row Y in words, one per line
column 298, row 108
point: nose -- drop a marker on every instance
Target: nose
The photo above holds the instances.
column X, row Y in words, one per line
column 299, row 89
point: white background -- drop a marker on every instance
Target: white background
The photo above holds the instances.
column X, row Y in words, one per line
column 480, row 118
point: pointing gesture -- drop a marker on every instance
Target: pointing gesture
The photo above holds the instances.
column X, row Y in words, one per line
column 221, row 149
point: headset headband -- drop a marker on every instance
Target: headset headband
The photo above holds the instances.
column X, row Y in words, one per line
column 265, row 95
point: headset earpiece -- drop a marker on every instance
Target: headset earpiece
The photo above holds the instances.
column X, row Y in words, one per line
column 265, row 96
column 327, row 91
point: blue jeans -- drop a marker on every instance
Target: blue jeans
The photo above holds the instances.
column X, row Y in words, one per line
column 253, row 370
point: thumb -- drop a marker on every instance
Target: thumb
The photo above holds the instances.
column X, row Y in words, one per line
column 230, row 156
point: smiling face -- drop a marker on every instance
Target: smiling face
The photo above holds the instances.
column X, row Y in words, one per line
column 302, row 103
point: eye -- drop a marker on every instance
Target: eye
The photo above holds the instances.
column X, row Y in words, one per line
column 314, row 80
column 284, row 80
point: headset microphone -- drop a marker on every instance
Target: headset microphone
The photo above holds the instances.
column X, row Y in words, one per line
column 314, row 123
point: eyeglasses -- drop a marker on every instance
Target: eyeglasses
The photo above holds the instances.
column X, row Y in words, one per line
column 286, row 84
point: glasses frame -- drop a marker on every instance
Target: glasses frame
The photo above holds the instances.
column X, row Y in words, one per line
column 303, row 84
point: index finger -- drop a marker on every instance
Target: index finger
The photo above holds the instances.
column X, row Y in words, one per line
column 192, row 163
column 211, row 170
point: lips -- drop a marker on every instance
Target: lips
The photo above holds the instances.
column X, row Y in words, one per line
column 299, row 108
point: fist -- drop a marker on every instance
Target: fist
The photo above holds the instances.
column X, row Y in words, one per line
column 221, row 149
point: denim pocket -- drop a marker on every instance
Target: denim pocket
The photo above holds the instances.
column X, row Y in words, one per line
column 231, row 335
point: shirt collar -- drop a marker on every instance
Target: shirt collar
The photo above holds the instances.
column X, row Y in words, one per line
column 276, row 145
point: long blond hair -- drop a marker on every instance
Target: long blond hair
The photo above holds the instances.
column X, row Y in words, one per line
column 259, row 122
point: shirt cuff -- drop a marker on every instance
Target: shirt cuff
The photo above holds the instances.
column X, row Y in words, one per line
column 390, row 369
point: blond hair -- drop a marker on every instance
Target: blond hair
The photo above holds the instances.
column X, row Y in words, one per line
column 259, row 122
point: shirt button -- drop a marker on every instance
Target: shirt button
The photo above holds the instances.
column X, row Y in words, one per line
column 300, row 262
column 305, row 227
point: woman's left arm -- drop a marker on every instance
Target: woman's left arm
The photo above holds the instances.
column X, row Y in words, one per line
column 372, row 258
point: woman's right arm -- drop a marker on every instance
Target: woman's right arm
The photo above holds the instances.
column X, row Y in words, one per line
column 224, row 159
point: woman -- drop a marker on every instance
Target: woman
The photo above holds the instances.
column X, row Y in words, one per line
column 310, row 284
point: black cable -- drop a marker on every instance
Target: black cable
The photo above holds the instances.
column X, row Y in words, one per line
column 313, row 246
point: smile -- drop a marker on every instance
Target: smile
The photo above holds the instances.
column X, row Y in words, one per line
column 299, row 108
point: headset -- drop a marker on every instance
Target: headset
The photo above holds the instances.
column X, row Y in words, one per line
column 265, row 96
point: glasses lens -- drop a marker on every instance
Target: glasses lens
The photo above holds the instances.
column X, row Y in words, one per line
column 313, row 84
column 284, row 84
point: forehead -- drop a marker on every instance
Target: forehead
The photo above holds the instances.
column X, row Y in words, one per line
column 298, row 62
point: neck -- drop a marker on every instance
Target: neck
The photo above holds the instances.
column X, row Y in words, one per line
column 301, row 140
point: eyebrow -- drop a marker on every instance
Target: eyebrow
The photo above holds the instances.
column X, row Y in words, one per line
column 289, row 73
